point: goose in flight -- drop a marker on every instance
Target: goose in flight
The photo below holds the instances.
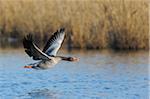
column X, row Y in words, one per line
column 47, row 57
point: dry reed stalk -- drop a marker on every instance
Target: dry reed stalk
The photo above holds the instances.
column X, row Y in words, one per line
column 119, row 24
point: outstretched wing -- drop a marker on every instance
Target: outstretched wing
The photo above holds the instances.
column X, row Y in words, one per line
column 32, row 50
column 54, row 43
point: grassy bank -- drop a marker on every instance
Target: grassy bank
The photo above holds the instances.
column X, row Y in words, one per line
column 117, row 24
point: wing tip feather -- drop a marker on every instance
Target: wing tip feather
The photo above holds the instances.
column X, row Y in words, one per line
column 62, row 29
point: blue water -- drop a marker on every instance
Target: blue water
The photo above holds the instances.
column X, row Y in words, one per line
column 98, row 75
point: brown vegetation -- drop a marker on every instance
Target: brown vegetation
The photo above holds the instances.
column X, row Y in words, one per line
column 118, row 24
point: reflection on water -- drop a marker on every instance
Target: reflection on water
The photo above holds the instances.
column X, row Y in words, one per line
column 98, row 74
column 42, row 94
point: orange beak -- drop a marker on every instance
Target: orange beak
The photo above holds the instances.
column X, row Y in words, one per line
column 28, row 66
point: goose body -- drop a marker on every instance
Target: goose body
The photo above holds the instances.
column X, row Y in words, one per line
column 48, row 56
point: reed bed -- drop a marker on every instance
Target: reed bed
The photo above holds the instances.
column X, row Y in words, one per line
column 90, row 24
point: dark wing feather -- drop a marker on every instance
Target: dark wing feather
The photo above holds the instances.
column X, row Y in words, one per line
column 32, row 50
column 54, row 43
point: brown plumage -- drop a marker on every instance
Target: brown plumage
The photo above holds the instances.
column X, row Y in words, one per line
column 48, row 56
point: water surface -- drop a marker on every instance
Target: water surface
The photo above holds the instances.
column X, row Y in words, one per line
column 98, row 75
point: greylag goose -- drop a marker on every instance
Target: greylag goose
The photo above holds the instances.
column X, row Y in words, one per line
column 47, row 57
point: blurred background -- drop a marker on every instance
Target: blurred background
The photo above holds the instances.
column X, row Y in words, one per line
column 110, row 37
column 90, row 24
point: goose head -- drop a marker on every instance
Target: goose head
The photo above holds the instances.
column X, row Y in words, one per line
column 72, row 59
